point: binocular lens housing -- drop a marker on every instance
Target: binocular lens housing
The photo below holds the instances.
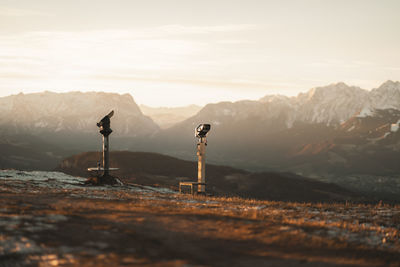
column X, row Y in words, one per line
column 202, row 130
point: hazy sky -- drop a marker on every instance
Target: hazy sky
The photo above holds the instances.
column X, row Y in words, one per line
column 178, row 52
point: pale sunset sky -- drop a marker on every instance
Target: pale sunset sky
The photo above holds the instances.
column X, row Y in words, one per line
column 180, row 52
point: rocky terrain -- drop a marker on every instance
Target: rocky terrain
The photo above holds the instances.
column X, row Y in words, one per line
column 51, row 219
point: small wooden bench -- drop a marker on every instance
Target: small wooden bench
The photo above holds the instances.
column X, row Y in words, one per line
column 190, row 184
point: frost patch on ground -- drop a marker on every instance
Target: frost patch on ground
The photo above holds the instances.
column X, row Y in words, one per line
column 41, row 178
column 58, row 180
column 17, row 245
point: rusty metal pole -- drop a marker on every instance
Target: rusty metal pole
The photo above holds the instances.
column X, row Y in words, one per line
column 201, row 170
column 106, row 155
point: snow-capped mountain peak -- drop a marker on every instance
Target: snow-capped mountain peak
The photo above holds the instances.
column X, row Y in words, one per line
column 275, row 98
column 389, row 84
column 386, row 96
column 73, row 111
column 330, row 105
column 335, row 103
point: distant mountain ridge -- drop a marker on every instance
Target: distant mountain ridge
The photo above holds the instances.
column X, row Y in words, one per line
column 335, row 103
column 76, row 111
column 63, row 124
column 330, row 132
column 327, row 132
column 73, row 112
column 330, row 105
column 166, row 117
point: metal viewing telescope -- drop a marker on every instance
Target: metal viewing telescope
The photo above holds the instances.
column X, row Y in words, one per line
column 105, row 129
column 201, row 132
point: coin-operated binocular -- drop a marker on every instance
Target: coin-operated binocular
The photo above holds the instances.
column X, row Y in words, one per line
column 201, row 132
column 105, row 130
column 105, row 124
column 106, row 178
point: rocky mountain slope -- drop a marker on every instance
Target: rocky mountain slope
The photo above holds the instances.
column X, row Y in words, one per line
column 27, row 152
column 72, row 112
column 272, row 130
column 38, row 130
column 336, row 103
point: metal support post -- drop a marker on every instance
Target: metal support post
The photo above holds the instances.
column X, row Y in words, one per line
column 201, row 172
column 106, row 155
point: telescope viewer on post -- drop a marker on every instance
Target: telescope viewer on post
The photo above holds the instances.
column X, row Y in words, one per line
column 105, row 123
column 106, row 178
column 202, row 130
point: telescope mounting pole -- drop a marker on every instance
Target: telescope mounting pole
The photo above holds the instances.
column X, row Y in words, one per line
column 201, row 172
column 106, row 155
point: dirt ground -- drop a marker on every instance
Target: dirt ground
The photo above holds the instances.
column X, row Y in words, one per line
column 56, row 221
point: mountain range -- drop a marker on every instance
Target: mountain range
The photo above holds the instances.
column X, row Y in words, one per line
column 277, row 127
column 332, row 133
column 335, row 133
column 72, row 112
column 166, row 117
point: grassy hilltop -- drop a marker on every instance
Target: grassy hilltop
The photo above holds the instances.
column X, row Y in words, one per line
column 50, row 218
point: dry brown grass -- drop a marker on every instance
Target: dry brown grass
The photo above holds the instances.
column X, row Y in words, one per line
column 125, row 226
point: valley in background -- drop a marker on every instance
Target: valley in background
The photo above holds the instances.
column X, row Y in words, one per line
column 335, row 134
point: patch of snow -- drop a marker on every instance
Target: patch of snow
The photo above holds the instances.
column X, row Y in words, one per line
column 41, row 176
column 62, row 181
column 395, row 126
column 366, row 112
column 159, row 189
column 351, row 128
